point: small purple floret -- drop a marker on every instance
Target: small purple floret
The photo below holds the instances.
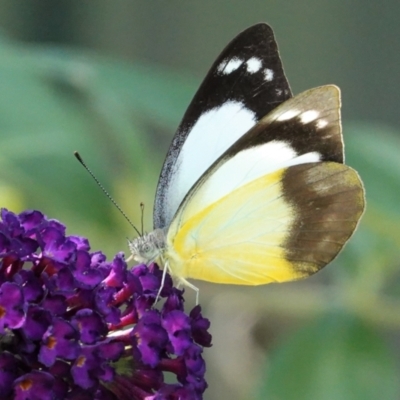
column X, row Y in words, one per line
column 12, row 306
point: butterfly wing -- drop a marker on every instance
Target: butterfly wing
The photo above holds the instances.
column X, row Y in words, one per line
column 243, row 85
column 277, row 205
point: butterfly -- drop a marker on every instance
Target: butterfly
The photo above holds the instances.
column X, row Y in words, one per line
column 253, row 189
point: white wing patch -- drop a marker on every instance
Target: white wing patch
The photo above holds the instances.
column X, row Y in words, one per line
column 253, row 64
column 268, row 74
column 309, row 116
column 313, row 105
column 322, row 123
column 213, row 133
column 289, row 114
column 227, row 68
column 247, row 166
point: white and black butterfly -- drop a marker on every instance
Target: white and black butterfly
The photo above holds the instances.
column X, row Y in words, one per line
column 253, row 189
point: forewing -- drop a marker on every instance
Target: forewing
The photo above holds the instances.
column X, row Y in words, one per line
column 244, row 84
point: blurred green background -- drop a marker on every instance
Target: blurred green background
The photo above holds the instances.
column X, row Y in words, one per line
column 112, row 79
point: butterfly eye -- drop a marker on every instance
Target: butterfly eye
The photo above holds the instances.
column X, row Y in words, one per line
column 146, row 249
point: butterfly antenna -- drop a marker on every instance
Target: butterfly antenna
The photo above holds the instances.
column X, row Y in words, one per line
column 80, row 159
column 142, row 216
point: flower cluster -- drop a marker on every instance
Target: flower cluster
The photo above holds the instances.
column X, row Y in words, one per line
column 75, row 326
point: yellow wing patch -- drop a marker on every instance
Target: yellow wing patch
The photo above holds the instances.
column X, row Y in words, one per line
column 238, row 239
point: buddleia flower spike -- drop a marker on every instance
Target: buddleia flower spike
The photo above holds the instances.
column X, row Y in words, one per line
column 75, row 326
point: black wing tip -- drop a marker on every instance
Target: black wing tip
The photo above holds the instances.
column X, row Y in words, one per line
column 260, row 26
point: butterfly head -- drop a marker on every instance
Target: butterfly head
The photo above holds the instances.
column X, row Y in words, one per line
column 149, row 247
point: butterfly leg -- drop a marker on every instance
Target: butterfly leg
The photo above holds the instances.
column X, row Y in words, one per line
column 184, row 282
column 165, row 270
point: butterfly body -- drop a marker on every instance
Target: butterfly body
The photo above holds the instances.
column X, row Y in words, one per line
column 253, row 189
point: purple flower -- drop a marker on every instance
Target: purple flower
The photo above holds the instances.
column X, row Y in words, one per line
column 74, row 326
